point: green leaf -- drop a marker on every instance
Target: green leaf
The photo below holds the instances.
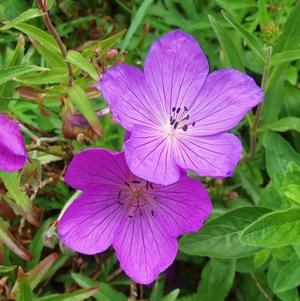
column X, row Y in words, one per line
column 292, row 191
column 285, row 57
column 261, row 258
column 288, row 277
column 252, row 41
column 279, row 153
column 171, row 296
column 78, row 295
column 273, row 230
column 106, row 293
column 231, row 54
column 84, row 105
column 136, row 22
column 39, row 35
column 6, row 268
column 7, row 74
column 53, row 76
column 25, row 16
column 216, row 279
column 220, row 237
column 78, row 60
column 24, row 292
column 285, row 124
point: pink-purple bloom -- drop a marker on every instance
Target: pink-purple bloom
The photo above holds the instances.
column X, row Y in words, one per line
column 141, row 220
column 177, row 113
column 13, row 154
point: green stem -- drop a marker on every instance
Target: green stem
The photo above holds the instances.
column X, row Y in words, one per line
column 265, row 77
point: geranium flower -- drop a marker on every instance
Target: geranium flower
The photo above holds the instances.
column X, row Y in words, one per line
column 13, row 154
column 177, row 113
column 141, row 220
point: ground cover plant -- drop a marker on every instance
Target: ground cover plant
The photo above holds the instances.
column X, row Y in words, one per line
column 136, row 164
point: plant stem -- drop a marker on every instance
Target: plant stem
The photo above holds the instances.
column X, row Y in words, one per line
column 133, row 292
column 260, row 288
column 49, row 25
column 259, row 109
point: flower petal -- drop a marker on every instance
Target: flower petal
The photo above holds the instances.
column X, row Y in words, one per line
column 175, row 68
column 181, row 207
column 13, row 154
column 143, row 248
column 125, row 90
column 225, row 98
column 92, row 168
column 148, row 156
column 89, row 223
column 210, row 156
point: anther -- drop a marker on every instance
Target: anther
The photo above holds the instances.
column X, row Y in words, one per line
column 173, row 109
column 185, row 127
column 185, row 108
column 193, row 124
column 135, row 182
column 187, row 117
column 126, row 183
column 130, row 216
column 151, row 185
column 147, row 185
column 119, row 195
column 173, row 121
column 176, row 125
column 178, row 110
column 152, row 212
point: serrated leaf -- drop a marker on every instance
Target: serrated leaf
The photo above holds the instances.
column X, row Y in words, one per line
column 25, row 16
column 79, row 61
column 220, row 237
column 273, row 230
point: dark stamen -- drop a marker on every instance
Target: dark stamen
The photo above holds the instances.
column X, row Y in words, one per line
column 178, row 110
column 187, row 117
column 135, row 182
column 185, row 108
column 176, row 125
column 151, row 185
column 120, row 203
column 130, row 216
column 185, row 127
column 147, row 185
column 119, row 195
column 193, row 124
column 126, row 183
column 152, row 212
column 173, row 121
column 173, row 109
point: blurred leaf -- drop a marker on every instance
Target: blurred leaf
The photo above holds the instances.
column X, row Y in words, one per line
column 78, row 60
column 78, row 295
column 285, row 124
column 7, row 74
column 106, row 293
column 279, row 153
column 158, row 289
column 216, row 279
column 24, row 293
column 6, row 268
column 220, row 237
column 275, row 229
column 261, row 258
column 84, row 105
column 284, row 57
column 288, row 277
column 136, row 22
column 171, row 296
column 252, row 41
column 231, row 54
column 25, row 16
column 292, row 191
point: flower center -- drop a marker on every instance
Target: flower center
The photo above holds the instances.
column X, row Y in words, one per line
column 180, row 119
column 135, row 197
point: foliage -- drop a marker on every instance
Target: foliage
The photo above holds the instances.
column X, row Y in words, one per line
column 250, row 247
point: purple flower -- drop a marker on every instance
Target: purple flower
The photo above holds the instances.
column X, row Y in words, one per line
column 139, row 219
column 13, row 154
column 177, row 113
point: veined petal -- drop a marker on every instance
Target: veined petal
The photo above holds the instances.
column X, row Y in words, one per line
column 181, row 207
column 13, row 154
column 211, row 156
column 225, row 98
column 89, row 223
column 97, row 167
column 131, row 101
column 175, row 68
column 143, row 248
column 149, row 156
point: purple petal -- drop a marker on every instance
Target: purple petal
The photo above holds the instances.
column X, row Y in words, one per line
column 93, row 167
column 149, row 156
column 210, row 156
column 125, row 90
column 13, row 154
column 143, row 248
column 89, row 223
column 182, row 207
column 225, row 98
column 176, row 69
